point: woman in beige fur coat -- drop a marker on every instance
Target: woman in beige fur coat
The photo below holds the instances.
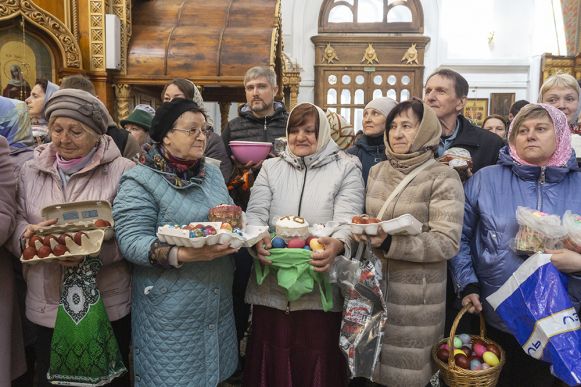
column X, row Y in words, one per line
column 414, row 266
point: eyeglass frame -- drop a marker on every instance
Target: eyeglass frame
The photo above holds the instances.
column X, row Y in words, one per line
column 206, row 130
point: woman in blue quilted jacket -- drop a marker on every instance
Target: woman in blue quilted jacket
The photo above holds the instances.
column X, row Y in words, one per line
column 537, row 169
column 182, row 319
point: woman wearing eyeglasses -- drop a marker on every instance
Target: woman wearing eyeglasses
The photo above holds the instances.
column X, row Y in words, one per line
column 182, row 320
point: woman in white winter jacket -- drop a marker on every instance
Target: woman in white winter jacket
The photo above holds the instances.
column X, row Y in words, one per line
column 296, row 343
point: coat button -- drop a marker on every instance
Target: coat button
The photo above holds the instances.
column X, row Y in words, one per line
column 163, row 290
column 137, row 378
column 211, row 327
column 216, row 291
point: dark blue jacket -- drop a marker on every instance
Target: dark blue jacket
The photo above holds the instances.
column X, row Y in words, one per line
column 486, row 256
column 368, row 154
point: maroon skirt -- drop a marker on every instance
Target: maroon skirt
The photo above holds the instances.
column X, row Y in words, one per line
column 299, row 349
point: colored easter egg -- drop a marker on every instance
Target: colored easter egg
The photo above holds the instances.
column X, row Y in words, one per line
column 475, row 365
column 459, row 351
column 466, row 339
column 296, row 243
column 445, row 346
column 478, row 349
column 278, row 242
column 490, row 358
column 307, row 248
column 462, row 361
column 316, row 245
column 457, row 342
column 443, row 354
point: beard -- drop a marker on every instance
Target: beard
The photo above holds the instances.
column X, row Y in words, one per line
column 259, row 106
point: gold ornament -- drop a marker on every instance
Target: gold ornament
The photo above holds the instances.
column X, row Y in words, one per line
column 411, row 55
column 370, row 55
column 329, row 55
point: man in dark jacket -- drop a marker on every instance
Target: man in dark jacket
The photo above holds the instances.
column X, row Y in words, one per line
column 446, row 93
column 263, row 119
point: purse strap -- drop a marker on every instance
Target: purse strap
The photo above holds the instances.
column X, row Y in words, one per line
column 402, row 184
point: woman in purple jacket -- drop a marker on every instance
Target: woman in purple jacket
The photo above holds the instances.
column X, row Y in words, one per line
column 537, row 169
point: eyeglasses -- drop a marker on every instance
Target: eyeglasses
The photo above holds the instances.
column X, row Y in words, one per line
column 196, row 131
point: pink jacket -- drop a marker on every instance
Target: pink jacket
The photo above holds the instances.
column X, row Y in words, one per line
column 40, row 186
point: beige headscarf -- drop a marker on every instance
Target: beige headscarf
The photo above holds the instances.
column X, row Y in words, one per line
column 426, row 141
column 324, row 135
column 342, row 131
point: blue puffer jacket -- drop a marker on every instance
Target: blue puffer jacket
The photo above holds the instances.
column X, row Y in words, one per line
column 492, row 196
column 182, row 319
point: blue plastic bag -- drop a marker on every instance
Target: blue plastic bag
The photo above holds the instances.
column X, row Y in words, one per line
column 535, row 306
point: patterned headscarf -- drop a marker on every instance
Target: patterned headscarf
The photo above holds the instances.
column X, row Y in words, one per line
column 562, row 152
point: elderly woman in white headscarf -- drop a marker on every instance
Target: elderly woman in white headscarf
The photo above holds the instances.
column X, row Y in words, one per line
column 312, row 179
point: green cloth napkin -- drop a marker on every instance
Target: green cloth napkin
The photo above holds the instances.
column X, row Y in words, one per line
column 84, row 350
column 295, row 274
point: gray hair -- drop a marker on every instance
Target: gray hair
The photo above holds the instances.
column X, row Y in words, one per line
column 260, row 71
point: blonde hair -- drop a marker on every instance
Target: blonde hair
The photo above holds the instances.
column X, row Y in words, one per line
column 559, row 80
column 527, row 112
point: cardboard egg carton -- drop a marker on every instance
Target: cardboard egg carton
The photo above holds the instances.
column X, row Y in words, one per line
column 90, row 244
column 78, row 227
column 79, row 216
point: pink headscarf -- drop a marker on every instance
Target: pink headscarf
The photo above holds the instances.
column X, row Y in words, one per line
column 562, row 152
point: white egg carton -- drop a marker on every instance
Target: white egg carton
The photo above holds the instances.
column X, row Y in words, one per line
column 405, row 224
column 251, row 235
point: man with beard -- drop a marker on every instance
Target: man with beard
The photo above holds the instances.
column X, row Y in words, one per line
column 262, row 119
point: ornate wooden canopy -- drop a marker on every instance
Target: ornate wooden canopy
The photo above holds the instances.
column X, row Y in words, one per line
column 212, row 43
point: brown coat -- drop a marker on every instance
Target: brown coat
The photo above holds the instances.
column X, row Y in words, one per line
column 415, row 266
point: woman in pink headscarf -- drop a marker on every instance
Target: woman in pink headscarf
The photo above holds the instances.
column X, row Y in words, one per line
column 538, row 170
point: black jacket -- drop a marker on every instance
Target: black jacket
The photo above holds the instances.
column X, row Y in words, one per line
column 369, row 154
column 247, row 127
column 482, row 144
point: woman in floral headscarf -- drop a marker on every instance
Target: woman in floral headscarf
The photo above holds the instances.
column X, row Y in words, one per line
column 537, row 169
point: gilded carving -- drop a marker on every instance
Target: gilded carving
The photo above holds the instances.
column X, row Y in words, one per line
column 9, row 7
column 123, row 97
column 370, row 56
column 32, row 13
column 97, row 35
column 411, row 55
column 329, row 54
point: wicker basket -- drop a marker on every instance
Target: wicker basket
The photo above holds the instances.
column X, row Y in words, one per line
column 455, row 376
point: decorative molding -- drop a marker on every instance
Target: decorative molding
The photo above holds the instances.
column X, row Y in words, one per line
column 75, row 17
column 123, row 97
column 411, row 55
column 97, row 35
column 329, row 54
column 57, row 30
column 370, row 56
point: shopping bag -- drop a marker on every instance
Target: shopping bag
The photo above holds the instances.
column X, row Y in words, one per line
column 84, row 350
column 364, row 309
column 535, row 306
